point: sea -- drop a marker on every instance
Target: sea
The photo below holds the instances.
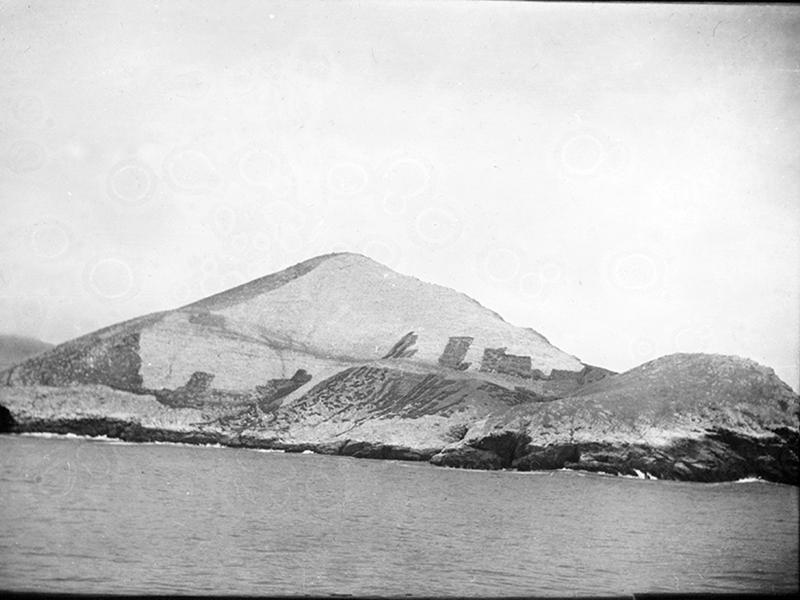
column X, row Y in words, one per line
column 101, row 516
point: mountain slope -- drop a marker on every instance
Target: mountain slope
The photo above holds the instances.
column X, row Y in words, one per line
column 349, row 305
column 322, row 314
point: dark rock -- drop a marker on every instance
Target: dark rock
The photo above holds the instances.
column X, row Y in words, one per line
column 333, row 448
column 401, row 348
column 467, row 457
column 507, row 446
column 681, row 470
column 457, row 432
column 524, row 395
column 299, row 448
column 593, row 466
column 358, row 449
column 269, row 395
column 199, row 382
column 247, row 441
column 774, row 458
column 549, row 458
column 7, row 422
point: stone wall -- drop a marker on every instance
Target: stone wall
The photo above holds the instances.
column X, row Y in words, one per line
column 495, row 360
column 455, row 352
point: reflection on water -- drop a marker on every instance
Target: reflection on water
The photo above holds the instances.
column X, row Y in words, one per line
column 94, row 516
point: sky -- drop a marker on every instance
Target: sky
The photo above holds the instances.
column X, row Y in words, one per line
column 622, row 178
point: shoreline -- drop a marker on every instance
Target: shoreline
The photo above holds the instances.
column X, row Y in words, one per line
column 119, row 442
column 662, row 468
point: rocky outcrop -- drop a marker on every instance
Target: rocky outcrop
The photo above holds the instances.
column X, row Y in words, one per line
column 690, row 417
column 7, row 421
column 275, row 390
column 468, row 457
column 717, row 456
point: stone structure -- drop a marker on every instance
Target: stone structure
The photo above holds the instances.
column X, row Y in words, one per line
column 495, row 360
column 455, row 352
column 270, row 395
column 193, row 394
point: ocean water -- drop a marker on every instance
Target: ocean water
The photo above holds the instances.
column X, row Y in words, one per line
column 82, row 515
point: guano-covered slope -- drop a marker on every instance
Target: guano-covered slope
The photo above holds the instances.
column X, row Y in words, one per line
column 321, row 315
column 349, row 305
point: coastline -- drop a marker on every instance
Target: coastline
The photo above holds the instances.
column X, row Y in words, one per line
column 678, row 463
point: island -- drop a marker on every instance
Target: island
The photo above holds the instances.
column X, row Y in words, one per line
column 341, row 355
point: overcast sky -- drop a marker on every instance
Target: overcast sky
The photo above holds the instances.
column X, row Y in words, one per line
column 622, row 178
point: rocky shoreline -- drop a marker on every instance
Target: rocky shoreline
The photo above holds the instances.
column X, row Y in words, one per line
column 718, row 456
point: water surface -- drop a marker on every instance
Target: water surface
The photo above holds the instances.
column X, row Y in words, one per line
column 95, row 516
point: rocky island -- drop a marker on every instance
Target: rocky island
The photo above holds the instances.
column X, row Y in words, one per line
column 341, row 355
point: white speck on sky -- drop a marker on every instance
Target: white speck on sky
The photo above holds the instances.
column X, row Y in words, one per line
column 622, row 178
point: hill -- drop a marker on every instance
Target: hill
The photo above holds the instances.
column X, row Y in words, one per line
column 15, row 348
column 683, row 416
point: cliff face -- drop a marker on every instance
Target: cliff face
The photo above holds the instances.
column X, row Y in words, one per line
column 342, row 355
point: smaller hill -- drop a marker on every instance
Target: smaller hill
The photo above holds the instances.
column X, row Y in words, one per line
column 701, row 417
column 16, row 348
column 733, row 391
